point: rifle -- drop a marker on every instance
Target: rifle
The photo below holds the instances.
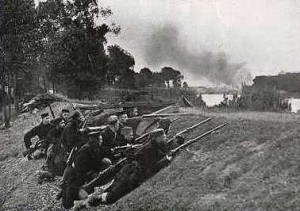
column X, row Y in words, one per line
column 166, row 115
column 188, row 129
column 52, row 113
column 126, row 147
column 174, row 120
column 36, row 145
column 117, row 150
column 177, row 149
column 104, row 176
column 71, row 156
column 169, row 141
column 168, row 158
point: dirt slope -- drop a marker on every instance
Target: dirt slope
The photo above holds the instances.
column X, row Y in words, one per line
column 251, row 164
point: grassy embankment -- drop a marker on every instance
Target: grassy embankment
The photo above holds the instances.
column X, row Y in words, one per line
column 253, row 163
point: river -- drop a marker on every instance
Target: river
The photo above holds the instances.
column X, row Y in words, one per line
column 216, row 99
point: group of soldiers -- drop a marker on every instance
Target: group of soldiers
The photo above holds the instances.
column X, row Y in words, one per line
column 118, row 148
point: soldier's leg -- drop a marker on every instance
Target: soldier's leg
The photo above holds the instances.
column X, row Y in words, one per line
column 59, row 161
column 126, row 180
column 67, row 175
column 27, row 143
column 49, row 158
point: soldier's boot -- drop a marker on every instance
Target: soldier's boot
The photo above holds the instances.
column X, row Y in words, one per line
column 82, row 194
column 26, row 152
column 95, row 199
column 81, row 205
column 44, row 176
column 59, row 195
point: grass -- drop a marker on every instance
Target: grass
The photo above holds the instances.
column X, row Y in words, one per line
column 251, row 164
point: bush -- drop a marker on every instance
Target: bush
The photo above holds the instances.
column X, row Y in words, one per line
column 263, row 98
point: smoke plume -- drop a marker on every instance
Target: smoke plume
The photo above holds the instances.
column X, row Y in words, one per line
column 164, row 46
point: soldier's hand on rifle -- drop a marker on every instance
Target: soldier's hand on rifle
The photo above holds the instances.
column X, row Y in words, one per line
column 169, row 157
column 180, row 139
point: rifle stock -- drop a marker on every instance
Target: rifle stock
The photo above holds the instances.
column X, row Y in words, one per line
column 104, row 176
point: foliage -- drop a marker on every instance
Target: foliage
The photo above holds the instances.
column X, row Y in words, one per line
column 21, row 44
column 120, row 67
column 199, row 102
column 262, row 99
column 185, row 85
column 145, row 78
column 59, row 44
column 78, row 60
column 169, row 74
column 289, row 82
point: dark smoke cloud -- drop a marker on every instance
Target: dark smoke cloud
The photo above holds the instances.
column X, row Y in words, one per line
column 164, row 46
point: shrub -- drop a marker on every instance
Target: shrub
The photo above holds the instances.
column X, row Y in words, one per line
column 262, row 98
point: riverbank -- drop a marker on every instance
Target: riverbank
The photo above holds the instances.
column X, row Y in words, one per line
column 252, row 163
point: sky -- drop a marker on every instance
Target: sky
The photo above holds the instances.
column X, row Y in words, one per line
column 261, row 35
column 253, row 37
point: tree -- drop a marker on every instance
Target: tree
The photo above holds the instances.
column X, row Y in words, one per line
column 158, row 80
column 76, row 57
column 185, row 85
column 120, row 67
column 144, row 78
column 20, row 41
column 169, row 74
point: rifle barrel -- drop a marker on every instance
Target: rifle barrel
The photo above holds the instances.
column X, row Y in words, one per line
column 52, row 113
column 127, row 146
column 174, row 151
column 189, row 129
column 175, row 119
column 166, row 115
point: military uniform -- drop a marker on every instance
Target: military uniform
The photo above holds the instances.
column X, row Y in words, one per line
column 41, row 131
column 71, row 136
column 56, row 156
column 142, row 165
column 142, row 125
column 89, row 159
column 109, row 138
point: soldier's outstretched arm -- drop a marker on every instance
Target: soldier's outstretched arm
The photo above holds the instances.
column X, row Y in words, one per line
column 29, row 135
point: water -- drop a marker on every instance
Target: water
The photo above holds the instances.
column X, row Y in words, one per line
column 214, row 99
column 295, row 104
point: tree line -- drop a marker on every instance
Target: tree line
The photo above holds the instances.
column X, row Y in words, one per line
column 289, row 82
column 62, row 45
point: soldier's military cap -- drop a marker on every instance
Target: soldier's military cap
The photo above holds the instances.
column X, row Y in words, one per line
column 157, row 132
column 75, row 115
column 120, row 113
column 43, row 115
column 94, row 133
